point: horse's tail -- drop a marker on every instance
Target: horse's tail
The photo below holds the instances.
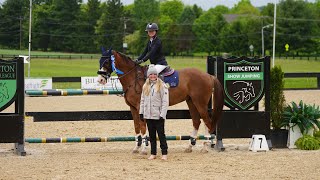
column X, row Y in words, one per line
column 217, row 102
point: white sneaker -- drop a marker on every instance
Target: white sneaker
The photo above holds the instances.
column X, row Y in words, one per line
column 152, row 157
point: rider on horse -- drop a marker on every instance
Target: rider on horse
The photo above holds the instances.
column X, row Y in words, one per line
column 153, row 50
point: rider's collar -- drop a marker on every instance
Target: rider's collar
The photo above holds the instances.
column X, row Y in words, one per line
column 153, row 38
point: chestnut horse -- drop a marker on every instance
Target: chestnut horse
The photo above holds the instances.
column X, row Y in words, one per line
column 195, row 87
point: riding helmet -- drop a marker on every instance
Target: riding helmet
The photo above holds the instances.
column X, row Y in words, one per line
column 152, row 27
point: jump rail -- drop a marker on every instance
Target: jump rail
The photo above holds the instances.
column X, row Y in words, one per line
column 70, row 92
column 100, row 139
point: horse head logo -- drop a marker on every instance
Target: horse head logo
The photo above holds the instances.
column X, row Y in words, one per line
column 3, row 92
column 245, row 93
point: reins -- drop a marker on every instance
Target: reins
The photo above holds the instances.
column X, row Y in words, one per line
column 135, row 82
column 137, row 77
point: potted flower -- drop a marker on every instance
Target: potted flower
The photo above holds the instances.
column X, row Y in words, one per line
column 279, row 135
column 301, row 119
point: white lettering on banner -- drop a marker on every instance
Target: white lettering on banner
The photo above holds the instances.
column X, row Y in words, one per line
column 233, row 76
column 92, row 83
column 244, row 68
column 250, row 76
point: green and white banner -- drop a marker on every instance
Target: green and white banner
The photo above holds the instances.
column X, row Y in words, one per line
column 243, row 83
column 8, row 83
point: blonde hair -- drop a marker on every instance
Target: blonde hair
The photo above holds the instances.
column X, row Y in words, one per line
column 147, row 86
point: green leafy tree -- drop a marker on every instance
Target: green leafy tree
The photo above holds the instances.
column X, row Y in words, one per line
column 185, row 35
column 129, row 19
column 197, row 10
column 315, row 9
column 110, row 26
column 245, row 7
column 41, row 26
column 129, row 24
column 13, row 15
column 220, row 9
column 268, row 10
column 233, row 38
column 145, row 11
column 133, row 40
column 296, row 26
column 170, row 13
column 316, row 6
column 240, row 34
column 207, row 29
column 267, row 18
column 65, row 25
column 91, row 14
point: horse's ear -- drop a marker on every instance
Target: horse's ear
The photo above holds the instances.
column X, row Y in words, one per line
column 110, row 49
column 103, row 49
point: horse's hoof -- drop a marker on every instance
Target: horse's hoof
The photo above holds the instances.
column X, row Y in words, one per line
column 204, row 151
column 188, row 150
column 135, row 150
column 143, row 153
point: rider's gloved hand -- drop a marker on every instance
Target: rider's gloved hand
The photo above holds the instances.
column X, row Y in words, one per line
column 138, row 61
column 141, row 117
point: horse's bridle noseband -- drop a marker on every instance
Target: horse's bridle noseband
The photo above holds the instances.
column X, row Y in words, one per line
column 106, row 74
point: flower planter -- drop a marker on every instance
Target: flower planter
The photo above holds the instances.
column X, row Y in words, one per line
column 295, row 134
column 279, row 138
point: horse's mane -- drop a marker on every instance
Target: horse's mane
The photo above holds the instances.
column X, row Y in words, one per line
column 127, row 58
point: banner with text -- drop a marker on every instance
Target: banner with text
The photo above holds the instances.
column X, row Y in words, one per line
column 92, row 83
column 37, row 83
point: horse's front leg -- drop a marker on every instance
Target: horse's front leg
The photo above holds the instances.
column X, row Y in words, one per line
column 196, row 123
column 140, row 130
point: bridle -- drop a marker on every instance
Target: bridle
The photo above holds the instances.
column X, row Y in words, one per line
column 120, row 73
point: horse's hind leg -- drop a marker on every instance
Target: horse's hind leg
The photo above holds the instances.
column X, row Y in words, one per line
column 203, row 112
column 196, row 123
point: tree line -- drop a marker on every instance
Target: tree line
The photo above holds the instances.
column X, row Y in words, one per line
column 74, row 26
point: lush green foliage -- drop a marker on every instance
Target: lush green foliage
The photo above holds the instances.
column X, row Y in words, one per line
column 74, row 26
column 317, row 134
column 108, row 28
column 290, row 10
column 12, row 12
column 207, row 28
column 277, row 99
column 307, row 142
column 303, row 115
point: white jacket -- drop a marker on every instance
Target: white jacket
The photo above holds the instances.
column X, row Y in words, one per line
column 155, row 105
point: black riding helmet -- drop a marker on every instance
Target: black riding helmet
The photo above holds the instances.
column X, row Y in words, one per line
column 152, row 27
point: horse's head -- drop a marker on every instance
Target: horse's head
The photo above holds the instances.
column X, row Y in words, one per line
column 4, row 90
column 250, row 89
column 105, row 69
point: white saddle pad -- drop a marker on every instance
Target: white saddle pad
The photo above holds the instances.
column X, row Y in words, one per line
column 159, row 67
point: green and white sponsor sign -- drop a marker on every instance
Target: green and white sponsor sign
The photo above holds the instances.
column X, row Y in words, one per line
column 8, row 83
column 243, row 83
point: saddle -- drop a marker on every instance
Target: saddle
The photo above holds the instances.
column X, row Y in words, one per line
column 167, row 74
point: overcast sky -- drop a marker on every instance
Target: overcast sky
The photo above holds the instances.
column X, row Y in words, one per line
column 206, row 4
